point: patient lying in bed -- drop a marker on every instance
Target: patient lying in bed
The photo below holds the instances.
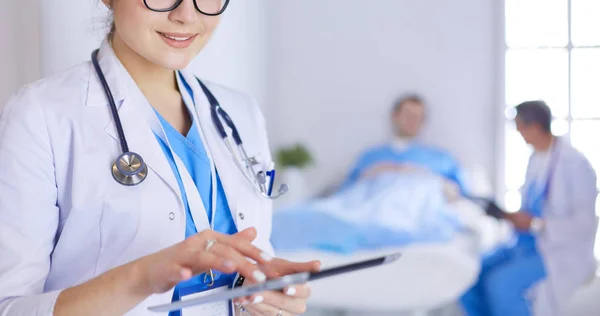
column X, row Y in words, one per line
column 395, row 195
column 388, row 210
column 406, row 154
column 415, row 159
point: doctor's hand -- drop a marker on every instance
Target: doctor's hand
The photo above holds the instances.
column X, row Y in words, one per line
column 161, row 271
column 291, row 301
column 521, row 220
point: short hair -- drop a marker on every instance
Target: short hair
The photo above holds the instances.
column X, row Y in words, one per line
column 535, row 112
column 401, row 101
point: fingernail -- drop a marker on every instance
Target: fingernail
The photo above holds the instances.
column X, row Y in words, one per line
column 267, row 257
column 291, row 291
column 258, row 300
column 245, row 302
column 259, row 276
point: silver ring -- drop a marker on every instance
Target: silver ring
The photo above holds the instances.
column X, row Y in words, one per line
column 280, row 313
column 209, row 244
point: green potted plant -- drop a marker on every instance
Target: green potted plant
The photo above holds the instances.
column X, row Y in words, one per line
column 296, row 156
column 292, row 162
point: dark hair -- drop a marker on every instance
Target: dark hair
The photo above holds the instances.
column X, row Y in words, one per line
column 406, row 99
column 111, row 33
column 113, row 28
column 535, row 112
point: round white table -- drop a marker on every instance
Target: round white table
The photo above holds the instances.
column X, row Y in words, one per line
column 426, row 277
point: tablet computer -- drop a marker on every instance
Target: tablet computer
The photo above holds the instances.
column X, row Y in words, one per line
column 275, row 284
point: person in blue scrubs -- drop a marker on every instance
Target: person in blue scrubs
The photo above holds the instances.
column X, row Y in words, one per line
column 508, row 274
column 405, row 152
column 191, row 151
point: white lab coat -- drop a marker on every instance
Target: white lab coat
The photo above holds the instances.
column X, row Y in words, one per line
column 63, row 218
column 567, row 241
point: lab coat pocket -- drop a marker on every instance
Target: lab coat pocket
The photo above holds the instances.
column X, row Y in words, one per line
column 243, row 212
column 255, row 211
column 119, row 225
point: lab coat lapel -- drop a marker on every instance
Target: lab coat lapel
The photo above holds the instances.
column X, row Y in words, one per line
column 132, row 108
column 140, row 125
column 195, row 203
column 197, row 209
column 141, row 140
column 215, row 145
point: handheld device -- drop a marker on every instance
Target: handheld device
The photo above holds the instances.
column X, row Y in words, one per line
column 275, row 284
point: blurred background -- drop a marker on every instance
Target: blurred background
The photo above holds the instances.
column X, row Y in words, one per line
column 326, row 74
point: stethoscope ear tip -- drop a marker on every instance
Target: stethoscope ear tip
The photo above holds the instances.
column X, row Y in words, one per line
column 283, row 189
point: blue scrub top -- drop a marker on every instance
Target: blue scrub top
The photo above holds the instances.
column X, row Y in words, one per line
column 190, row 150
column 533, row 203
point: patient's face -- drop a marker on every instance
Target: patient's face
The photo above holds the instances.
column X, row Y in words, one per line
column 529, row 132
column 408, row 121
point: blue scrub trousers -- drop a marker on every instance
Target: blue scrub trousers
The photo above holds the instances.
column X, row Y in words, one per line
column 504, row 281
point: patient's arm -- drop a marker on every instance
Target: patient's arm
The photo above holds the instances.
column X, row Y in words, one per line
column 451, row 191
column 385, row 167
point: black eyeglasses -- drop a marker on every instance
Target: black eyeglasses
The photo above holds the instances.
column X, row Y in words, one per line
column 207, row 7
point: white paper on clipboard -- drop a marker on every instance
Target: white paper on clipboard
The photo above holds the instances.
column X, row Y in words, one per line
column 212, row 309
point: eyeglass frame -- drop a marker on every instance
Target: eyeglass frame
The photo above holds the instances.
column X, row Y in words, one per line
column 179, row 2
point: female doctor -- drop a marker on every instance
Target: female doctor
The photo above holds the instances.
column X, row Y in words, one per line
column 118, row 190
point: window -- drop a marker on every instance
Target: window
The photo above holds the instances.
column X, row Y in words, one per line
column 552, row 53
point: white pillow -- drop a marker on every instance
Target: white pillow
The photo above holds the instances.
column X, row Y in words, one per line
column 478, row 182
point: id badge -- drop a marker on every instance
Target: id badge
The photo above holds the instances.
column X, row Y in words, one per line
column 213, row 309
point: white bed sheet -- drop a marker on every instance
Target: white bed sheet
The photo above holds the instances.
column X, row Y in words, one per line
column 427, row 276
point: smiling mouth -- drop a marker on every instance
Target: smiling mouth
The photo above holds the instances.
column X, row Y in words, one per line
column 178, row 38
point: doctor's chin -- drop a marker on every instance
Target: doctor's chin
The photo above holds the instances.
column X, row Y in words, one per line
column 282, row 158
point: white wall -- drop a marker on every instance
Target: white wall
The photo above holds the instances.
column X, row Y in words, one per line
column 19, row 54
column 337, row 65
column 8, row 52
column 234, row 57
column 69, row 35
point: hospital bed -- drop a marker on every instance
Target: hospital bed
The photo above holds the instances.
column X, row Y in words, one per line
column 428, row 276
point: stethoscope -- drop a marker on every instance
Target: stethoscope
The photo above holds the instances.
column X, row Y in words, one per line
column 129, row 168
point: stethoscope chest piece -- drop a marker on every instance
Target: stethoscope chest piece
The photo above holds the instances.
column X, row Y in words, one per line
column 129, row 169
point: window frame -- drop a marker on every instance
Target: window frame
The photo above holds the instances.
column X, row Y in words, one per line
column 500, row 91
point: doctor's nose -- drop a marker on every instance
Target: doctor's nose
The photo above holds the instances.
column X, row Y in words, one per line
column 185, row 13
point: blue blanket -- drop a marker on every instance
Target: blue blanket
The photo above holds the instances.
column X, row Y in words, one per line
column 389, row 210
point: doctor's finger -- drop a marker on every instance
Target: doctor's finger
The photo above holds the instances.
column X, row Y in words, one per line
column 201, row 262
column 240, row 243
column 247, row 249
column 289, row 294
column 267, row 310
column 249, row 234
column 283, row 301
column 243, row 266
column 302, row 291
